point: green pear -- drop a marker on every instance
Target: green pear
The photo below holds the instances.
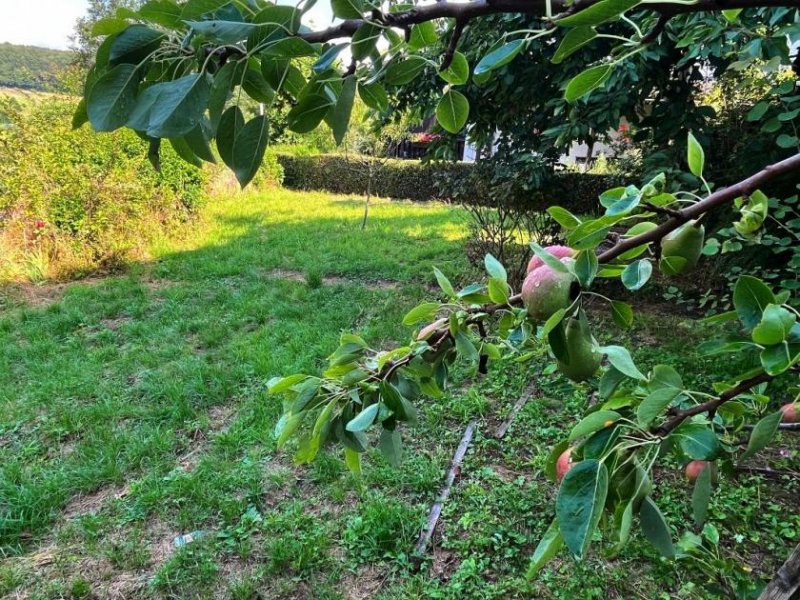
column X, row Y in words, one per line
column 584, row 358
column 681, row 248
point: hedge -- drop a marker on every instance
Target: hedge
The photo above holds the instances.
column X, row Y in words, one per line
column 414, row 180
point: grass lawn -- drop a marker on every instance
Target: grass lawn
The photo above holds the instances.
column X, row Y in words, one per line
column 133, row 411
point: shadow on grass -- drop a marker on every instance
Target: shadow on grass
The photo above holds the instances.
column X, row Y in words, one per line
column 114, row 380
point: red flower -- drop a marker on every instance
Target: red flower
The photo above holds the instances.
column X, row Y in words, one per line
column 40, row 224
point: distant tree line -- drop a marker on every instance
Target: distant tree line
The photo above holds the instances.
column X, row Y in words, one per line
column 32, row 68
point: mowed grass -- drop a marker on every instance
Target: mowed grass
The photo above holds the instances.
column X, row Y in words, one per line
column 133, row 411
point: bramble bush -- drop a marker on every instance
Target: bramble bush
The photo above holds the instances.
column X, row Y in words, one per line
column 72, row 201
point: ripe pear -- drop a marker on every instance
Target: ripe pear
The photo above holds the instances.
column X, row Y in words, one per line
column 564, row 463
column 790, row 413
column 694, row 468
column 546, row 291
column 681, row 249
column 584, row 358
column 557, row 251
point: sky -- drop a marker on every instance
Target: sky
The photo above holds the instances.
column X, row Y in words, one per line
column 49, row 23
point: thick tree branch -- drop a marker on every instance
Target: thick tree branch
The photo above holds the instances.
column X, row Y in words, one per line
column 466, row 11
column 718, row 198
column 711, row 405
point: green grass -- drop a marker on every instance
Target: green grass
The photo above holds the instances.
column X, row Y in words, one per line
column 133, row 410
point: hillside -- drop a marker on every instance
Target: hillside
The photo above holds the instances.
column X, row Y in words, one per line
column 30, row 67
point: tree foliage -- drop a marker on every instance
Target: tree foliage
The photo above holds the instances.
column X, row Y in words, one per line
column 178, row 71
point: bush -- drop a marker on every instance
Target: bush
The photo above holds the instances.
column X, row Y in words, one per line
column 72, row 201
column 414, row 180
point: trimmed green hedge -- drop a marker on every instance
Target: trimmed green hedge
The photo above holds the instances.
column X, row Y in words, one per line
column 414, row 180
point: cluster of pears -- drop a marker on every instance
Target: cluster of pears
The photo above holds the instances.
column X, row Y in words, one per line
column 545, row 292
column 681, row 248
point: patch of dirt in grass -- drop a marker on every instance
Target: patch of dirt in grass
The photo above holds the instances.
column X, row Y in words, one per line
column 373, row 285
column 445, row 563
column 85, row 504
column 42, row 295
column 116, row 323
column 363, row 583
column 220, row 418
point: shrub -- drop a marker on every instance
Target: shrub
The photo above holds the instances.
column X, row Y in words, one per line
column 72, row 201
column 414, row 180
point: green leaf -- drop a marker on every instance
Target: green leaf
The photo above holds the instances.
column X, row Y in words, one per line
column 458, row 71
column 161, row 12
column 465, row 347
column 183, row 150
column 230, row 124
column 199, row 144
column 563, row 217
column 500, row 57
column 374, row 96
column 621, row 359
column 696, row 157
column 498, row 291
column 220, row 91
column 453, row 111
column 347, row 9
column 594, row 422
column 606, row 10
column 587, row 81
column 283, row 384
column 112, row 99
column 444, row 283
column 494, row 268
column 762, row 434
column 424, row 312
column 548, row 259
column 701, row 495
column 588, row 234
column 586, row 267
column 553, row 322
column 654, row 405
column 423, row 34
column 197, row 8
column 285, row 427
column 249, row 147
column 698, row 442
column 109, row 26
column 353, row 461
column 622, row 314
column 751, row 298
column 339, row 116
column 574, row 40
column 223, row 32
column 655, row 528
column 364, row 41
column 780, row 357
column 732, row 14
column 637, row 274
column 363, row 420
column 134, row 45
column 775, row 325
column 610, row 381
column 547, row 548
column 580, row 502
column 391, row 447
column 664, row 376
column 173, row 108
column 309, row 113
column 328, row 58
column 404, row 71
